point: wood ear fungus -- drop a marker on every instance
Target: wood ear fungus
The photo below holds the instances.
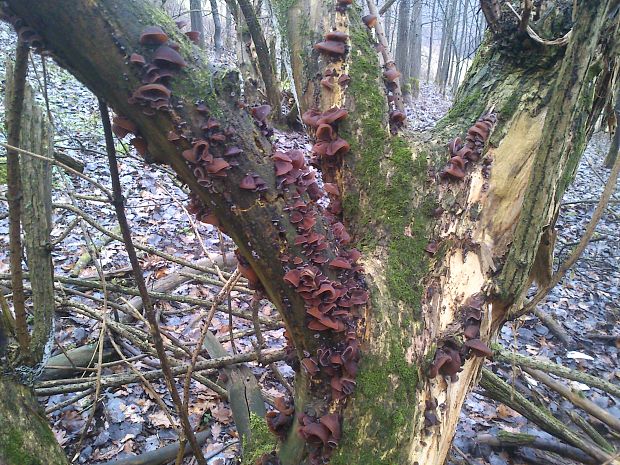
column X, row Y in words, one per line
column 370, row 21
column 330, row 47
column 153, row 35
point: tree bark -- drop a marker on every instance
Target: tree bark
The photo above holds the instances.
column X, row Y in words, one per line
column 392, row 200
column 217, row 28
column 36, row 181
column 265, row 62
column 14, row 195
column 195, row 15
column 430, row 42
column 614, row 148
column 25, row 436
column 402, row 56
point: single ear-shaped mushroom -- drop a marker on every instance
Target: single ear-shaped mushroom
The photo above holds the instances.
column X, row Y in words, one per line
column 478, row 348
column 261, row 112
column 453, row 169
column 331, row 188
column 432, row 247
column 337, row 36
column 332, row 115
column 397, row 117
column 137, row 59
column 140, row 145
column 454, row 146
column 194, row 36
column 344, row 79
column 152, row 92
column 332, row 422
column 369, row 20
column 338, row 147
column 315, row 433
column 476, row 131
column 328, row 83
column 324, row 133
column 248, row 183
column 297, row 158
column 441, row 358
column 340, row 263
column 391, row 74
column 311, row 117
column 153, row 35
column 122, row 126
column 217, row 166
column 330, row 47
column 310, row 365
column 168, row 57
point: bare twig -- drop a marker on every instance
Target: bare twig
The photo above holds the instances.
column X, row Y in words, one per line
column 146, row 300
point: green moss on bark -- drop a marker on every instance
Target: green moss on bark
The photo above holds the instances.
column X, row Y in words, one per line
column 386, row 394
column 262, row 440
column 387, row 171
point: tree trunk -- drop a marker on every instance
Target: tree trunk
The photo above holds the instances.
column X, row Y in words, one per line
column 217, row 28
column 265, row 62
column 430, row 42
column 402, row 56
column 195, row 15
column 36, row 181
column 25, row 436
column 415, row 48
column 614, row 148
column 394, row 205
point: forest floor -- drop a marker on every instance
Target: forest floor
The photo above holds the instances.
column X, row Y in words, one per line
column 129, row 421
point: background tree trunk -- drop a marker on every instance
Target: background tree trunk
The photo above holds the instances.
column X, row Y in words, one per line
column 402, row 55
column 195, row 16
column 217, row 28
column 389, row 192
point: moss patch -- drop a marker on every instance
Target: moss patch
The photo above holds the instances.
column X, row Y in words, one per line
column 394, row 380
column 12, row 449
column 3, row 177
column 262, row 441
column 386, row 170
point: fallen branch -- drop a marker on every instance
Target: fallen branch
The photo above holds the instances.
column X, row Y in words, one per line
column 510, row 440
column 167, row 453
column 575, row 398
column 497, row 389
column 111, row 381
column 502, row 355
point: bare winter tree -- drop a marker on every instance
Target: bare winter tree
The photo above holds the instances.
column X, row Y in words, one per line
column 392, row 294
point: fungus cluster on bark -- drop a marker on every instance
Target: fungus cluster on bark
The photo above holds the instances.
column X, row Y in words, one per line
column 328, row 146
column 396, row 117
column 462, row 153
column 334, row 45
column 430, row 415
column 328, row 278
column 332, row 79
column 25, row 33
column 449, row 357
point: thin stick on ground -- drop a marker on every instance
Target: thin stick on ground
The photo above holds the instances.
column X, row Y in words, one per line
column 140, row 283
column 203, row 334
column 610, row 187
